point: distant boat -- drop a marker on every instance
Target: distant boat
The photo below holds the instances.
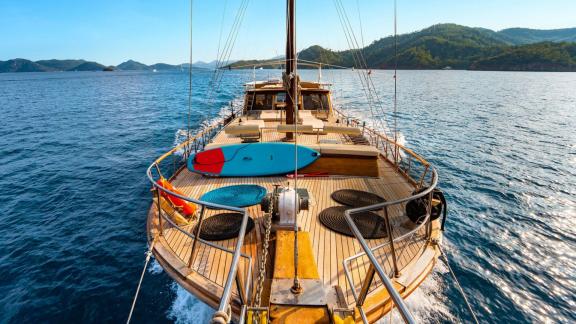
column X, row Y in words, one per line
column 447, row 68
column 261, row 68
column 154, row 70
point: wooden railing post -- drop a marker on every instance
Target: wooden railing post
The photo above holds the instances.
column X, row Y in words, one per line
column 366, row 285
column 240, row 287
column 159, row 211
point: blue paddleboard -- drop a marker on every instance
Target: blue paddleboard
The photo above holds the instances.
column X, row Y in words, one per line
column 251, row 159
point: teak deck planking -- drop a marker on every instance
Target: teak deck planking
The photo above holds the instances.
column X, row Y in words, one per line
column 330, row 248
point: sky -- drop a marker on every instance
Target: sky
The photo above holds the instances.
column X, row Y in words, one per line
column 153, row 31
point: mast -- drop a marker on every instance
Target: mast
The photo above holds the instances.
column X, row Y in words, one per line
column 290, row 77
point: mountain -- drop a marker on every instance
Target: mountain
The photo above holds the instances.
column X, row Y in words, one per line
column 164, row 67
column 131, row 65
column 204, row 65
column 88, row 66
column 22, row 65
column 61, row 65
column 207, row 65
column 545, row 56
column 520, row 36
column 436, row 47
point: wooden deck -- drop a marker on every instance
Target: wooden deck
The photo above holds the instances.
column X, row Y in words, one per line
column 329, row 248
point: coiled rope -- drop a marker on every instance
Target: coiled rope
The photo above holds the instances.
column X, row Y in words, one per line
column 458, row 285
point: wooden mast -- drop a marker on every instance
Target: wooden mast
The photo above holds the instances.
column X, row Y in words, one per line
column 290, row 79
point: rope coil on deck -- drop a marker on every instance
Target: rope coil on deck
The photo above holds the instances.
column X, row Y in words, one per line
column 369, row 224
column 356, row 198
column 223, row 226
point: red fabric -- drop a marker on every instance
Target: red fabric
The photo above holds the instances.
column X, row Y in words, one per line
column 211, row 161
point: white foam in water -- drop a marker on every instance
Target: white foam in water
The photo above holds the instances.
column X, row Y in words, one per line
column 155, row 267
column 179, row 138
column 181, row 134
column 427, row 303
column 187, row 309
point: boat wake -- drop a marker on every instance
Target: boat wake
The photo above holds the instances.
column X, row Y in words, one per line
column 428, row 303
column 182, row 134
column 187, row 309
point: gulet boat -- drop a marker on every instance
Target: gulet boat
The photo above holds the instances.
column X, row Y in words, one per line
column 290, row 211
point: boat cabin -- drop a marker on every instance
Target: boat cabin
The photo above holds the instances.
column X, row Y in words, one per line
column 314, row 99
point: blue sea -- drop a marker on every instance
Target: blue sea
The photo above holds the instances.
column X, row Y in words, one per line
column 74, row 148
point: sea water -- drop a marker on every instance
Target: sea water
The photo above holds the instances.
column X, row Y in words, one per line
column 74, row 148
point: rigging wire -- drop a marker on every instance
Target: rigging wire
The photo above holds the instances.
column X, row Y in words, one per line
column 190, row 79
column 395, row 74
column 360, row 61
column 221, row 28
column 360, row 20
column 348, row 33
column 458, row 284
column 148, row 256
column 223, row 56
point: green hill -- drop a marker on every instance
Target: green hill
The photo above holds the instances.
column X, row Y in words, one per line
column 88, row 66
column 529, row 36
column 22, row 65
column 131, row 65
column 439, row 46
column 435, row 47
column 533, row 57
column 61, row 65
column 164, row 67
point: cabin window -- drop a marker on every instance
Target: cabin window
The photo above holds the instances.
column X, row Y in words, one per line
column 281, row 97
column 262, row 102
column 315, row 101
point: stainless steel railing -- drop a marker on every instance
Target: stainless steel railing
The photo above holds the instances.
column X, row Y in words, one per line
column 243, row 285
column 375, row 266
column 232, row 277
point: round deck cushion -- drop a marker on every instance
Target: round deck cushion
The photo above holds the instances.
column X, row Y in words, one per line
column 236, row 196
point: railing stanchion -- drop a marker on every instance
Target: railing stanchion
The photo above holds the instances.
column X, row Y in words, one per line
column 391, row 239
column 225, row 300
column 429, row 211
column 196, row 236
column 421, row 182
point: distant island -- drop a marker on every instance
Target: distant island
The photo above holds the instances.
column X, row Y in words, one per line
column 23, row 65
column 442, row 46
